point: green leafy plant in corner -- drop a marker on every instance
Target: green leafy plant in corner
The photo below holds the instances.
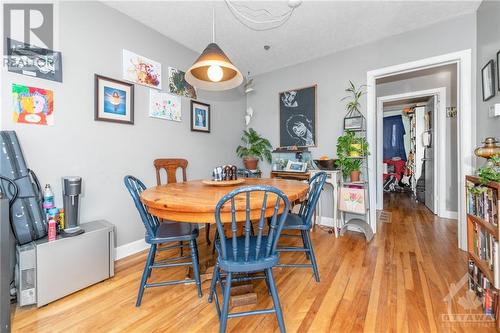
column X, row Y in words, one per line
column 490, row 172
column 254, row 146
column 345, row 148
column 355, row 94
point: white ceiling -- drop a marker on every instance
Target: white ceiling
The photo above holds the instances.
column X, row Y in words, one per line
column 317, row 28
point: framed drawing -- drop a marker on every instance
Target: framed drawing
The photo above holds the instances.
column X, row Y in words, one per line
column 178, row 85
column 498, row 70
column 352, row 200
column 164, row 105
column 200, row 117
column 141, row 70
column 32, row 105
column 296, row 166
column 353, row 122
column 114, row 100
column 34, row 61
column 488, row 80
column 297, row 117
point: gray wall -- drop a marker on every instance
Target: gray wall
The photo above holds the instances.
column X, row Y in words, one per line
column 488, row 44
column 92, row 37
column 443, row 76
column 332, row 74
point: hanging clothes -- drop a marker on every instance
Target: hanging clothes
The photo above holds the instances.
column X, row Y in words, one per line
column 394, row 133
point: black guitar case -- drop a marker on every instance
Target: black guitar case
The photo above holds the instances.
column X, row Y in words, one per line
column 17, row 182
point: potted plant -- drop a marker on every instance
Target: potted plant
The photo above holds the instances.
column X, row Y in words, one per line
column 255, row 147
column 350, row 150
column 490, row 171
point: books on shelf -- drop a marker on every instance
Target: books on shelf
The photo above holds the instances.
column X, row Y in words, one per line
column 482, row 202
column 484, row 289
column 485, row 246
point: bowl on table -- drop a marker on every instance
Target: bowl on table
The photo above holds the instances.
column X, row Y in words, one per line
column 328, row 164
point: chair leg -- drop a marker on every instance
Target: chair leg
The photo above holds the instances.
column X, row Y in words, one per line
column 196, row 269
column 215, row 240
column 207, row 233
column 145, row 273
column 276, row 300
column 152, row 260
column 225, row 304
column 304, row 242
column 215, row 276
column 312, row 256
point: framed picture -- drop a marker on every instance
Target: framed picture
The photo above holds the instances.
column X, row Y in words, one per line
column 114, row 100
column 200, row 117
column 353, row 123
column 178, row 85
column 141, row 70
column 292, row 166
column 352, row 200
column 297, row 117
column 34, row 61
column 164, row 105
column 32, row 105
column 498, row 70
column 488, row 80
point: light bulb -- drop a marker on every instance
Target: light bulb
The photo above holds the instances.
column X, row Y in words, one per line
column 215, row 73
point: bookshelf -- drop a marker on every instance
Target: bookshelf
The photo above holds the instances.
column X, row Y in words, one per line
column 483, row 211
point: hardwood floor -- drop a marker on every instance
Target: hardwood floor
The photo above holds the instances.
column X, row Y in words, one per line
column 396, row 283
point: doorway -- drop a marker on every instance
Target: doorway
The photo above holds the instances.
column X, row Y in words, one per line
column 411, row 149
column 465, row 124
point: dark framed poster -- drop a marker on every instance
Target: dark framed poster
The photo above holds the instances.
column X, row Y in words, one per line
column 297, row 118
column 34, row 61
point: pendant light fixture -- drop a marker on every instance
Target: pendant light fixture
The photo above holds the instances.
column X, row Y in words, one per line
column 213, row 70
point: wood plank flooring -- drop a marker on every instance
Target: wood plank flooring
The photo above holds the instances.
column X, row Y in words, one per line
column 396, row 283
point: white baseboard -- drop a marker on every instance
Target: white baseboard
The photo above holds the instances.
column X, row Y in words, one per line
column 129, row 249
column 325, row 221
column 448, row 214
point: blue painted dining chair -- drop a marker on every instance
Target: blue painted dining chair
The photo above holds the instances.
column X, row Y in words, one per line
column 250, row 253
column 303, row 222
column 158, row 233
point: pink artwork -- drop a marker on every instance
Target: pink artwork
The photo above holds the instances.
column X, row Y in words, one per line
column 352, row 200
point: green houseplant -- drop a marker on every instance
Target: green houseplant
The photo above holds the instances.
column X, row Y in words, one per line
column 255, row 147
column 349, row 150
column 490, row 171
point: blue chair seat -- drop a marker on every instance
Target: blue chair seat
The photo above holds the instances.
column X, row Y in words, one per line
column 173, row 231
column 295, row 222
column 240, row 264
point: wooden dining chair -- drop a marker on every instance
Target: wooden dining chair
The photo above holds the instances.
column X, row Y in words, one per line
column 248, row 253
column 163, row 233
column 170, row 165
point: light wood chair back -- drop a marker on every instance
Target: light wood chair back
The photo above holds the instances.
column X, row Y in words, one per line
column 170, row 165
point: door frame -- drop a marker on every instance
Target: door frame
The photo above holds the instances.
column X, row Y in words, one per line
column 439, row 137
column 466, row 124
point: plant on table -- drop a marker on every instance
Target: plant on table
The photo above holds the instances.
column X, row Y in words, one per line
column 490, row 172
column 254, row 147
column 349, row 150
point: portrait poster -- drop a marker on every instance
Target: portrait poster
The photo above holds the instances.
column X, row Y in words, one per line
column 297, row 117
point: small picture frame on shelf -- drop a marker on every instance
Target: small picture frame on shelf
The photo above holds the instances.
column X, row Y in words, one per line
column 488, row 80
column 114, row 100
column 292, row 166
column 354, row 123
column 200, row 117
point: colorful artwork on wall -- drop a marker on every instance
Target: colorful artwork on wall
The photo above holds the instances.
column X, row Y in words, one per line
column 141, row 70
column 178, row 85
column 352, row 200
column 114, row 100
column 32, row 105
column 200, row 117
column 164, row 106
column 34, row 61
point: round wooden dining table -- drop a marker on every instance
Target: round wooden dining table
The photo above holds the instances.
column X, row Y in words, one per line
column 195, row 202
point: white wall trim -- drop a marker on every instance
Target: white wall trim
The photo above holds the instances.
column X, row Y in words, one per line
column 131, row 248
column 466, row 124
column 439, row 156
column 325, row 221
column 448, row 214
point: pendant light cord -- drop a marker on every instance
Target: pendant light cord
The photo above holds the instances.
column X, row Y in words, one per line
column 213, row 24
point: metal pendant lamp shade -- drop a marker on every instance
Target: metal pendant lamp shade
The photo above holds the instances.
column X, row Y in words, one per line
column 213, row 70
